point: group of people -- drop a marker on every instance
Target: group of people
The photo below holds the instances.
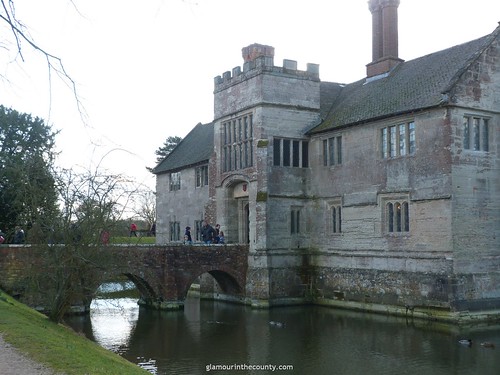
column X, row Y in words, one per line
column 19, row 236
column 209, row 234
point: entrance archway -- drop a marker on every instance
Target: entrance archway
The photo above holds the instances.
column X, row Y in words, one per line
column 237, row 212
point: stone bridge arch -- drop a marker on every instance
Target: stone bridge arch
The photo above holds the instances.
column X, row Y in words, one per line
column 161, row 273
column 227, row 264
column 228, row 280
column 147, row 293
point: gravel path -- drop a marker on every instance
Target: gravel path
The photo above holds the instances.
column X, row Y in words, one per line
column 13, row 362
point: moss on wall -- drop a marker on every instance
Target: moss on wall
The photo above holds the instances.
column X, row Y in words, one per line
column 262, row 143
column 261, row 196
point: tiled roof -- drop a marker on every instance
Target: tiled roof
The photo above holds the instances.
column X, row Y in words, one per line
column 411, row 86
column 195, row 148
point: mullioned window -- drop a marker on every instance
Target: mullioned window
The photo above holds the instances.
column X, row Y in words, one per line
column 475, row 133
column 202, row 176
column 290, row 153
column 237, row 143
column 175, row 231
column 175, row 181
column 332, row 151
column 398, row 140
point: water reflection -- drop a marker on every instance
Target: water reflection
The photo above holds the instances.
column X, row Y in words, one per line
column 315, row 340
column 113, row 322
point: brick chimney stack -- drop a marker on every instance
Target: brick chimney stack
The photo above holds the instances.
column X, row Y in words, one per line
column 253, row 51
column 384, row 36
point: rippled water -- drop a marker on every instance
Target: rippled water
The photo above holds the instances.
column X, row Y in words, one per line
column 314, row 340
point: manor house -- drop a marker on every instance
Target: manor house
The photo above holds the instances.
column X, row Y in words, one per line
column 382, row 194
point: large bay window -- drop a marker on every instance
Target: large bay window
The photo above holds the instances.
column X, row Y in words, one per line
column 237, row 143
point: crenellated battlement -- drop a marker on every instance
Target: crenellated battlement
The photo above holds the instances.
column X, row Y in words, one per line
column 258, row 59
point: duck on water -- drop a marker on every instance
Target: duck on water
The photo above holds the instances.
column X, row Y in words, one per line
column 468, row 342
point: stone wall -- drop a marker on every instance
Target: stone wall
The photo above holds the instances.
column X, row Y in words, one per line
column 184, row 206
column 446, row 264
column 162, row 274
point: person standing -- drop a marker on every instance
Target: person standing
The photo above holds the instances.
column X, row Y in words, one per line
column 133, row 230
column 187, row 236
column 217, row 233
column 207, row 233
column 105, row 237
column 19, row 235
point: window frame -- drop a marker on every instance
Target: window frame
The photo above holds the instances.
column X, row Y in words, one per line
column 201, row 176
column 395, row 214
column 335, row 212
column 476, row 133
column 332, row 150
column 198, row 224
column 237, row 143
column 175, row 231
column 175, row 181
column 398, row 140
column 295, row 226
column 290, row 152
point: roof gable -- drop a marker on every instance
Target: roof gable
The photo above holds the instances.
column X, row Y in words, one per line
column 195, row 148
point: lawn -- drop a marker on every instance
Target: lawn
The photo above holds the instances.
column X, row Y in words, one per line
column 55, row 345
column 133, row 240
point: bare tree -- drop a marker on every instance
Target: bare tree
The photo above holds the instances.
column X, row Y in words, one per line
column 91, row 204
column 20, row 38
column 146, row 207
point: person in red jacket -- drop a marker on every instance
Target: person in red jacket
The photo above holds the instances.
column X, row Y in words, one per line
column 133, row 230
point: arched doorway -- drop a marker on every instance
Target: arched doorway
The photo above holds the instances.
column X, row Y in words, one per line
column 242, row 211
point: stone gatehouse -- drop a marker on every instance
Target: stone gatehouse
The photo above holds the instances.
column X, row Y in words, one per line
column 382, row 194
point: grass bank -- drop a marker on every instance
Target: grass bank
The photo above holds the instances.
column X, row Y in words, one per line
column 56, row 346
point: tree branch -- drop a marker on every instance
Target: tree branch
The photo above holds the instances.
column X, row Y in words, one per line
column 54, row 63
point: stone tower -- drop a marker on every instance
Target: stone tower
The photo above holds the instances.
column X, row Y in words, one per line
column 261, row 113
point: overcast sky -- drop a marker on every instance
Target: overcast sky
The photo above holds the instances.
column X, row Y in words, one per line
column 144, row 70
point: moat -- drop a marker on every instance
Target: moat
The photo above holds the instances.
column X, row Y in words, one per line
column 312, row 339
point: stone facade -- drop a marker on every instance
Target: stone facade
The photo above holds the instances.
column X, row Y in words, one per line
column 179, row 206
column 380, row 195
column 182, row 191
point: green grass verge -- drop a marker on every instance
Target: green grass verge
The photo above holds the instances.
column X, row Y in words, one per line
column 56, row 346
column 133, row 240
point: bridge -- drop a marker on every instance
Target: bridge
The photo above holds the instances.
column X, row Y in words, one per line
column 162, row 274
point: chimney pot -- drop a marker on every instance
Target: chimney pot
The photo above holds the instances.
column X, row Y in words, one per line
column 256, row 50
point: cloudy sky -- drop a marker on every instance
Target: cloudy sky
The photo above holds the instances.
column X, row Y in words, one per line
column 144, row 70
